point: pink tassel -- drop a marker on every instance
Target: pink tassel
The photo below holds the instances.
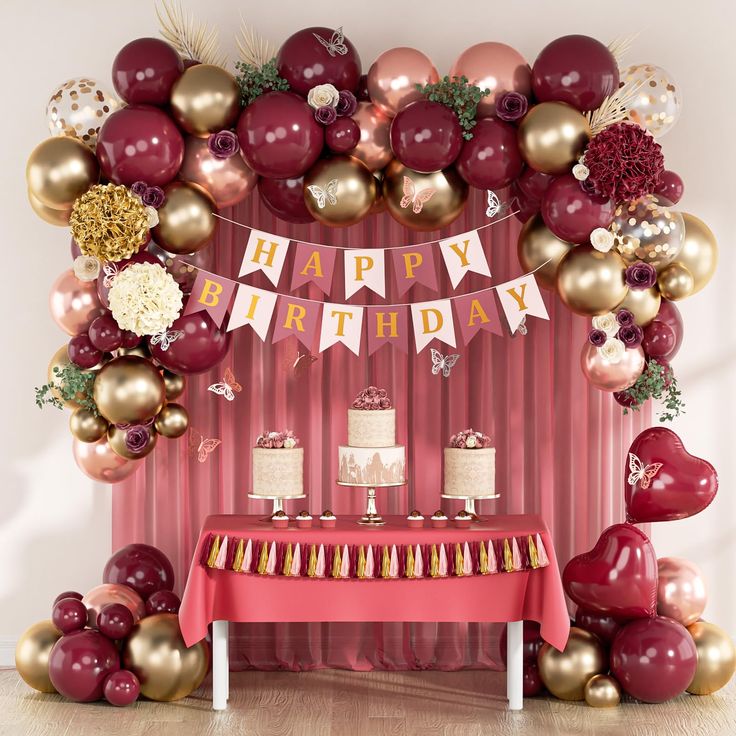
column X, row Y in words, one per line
column 369, row 562
column 296, row 562
column 247, row 557
column 345, row 563
column 467, row 561
column 320, row 569
column 222, row 555
column 443, row 562
column 271, row 564
column 541, row 552
column 515, row 555
column 393, row 568
column 492, row 563
column 418, row 563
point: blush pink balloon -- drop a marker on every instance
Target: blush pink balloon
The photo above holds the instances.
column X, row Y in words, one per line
column 107, row 593
column 98, row 461
column 608, row 376
column 74, row 304
column 496, row 67
column 681, row 590
column 228, row 180
column 394, row 75
column 374, row 148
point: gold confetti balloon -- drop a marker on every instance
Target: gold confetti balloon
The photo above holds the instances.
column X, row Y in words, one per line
column 658, row 102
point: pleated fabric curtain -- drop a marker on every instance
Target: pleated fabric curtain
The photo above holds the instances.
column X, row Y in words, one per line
column 560, row 444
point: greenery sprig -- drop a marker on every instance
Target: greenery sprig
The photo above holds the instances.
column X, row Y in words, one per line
column 657, row 382
column 71, row 383
column 255, row 81
column 460, row 96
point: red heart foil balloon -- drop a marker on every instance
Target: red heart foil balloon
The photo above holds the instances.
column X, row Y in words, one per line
column 663, row 480
column 617, row 577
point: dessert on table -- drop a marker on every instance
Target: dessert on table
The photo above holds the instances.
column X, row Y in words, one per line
column 328, row 520
column 280, row 520
column 439, row 519
column 415, row 520
column 304, row 520
column 463, row 519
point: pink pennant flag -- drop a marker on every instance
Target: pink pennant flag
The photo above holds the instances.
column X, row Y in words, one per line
column 265, row 252
column 365, row 267
column 520, row 298
column 252, row 307
column 387, row 324
column 432, row 320
column 341, row 323
column 211, row 294
column 462, row 254
column 298, row 317
column 315, row 264
column 414, row 264
column 477, row 312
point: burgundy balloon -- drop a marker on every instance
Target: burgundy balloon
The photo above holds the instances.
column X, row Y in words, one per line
column 491, row 158
column 184, row 268
column 103, row 291
column 163, row 601
column 144, row 71
column 659, row 339
column 534, row 183
column 571, row 213
column 279, row 136
column 361, row 91
column 426, row 136
column 69, row 615
column 531, row 642
column 605, row 627
column 343, row 135
column 105, row 334
column 68, row 594
column 285, row 199
column 140, row 143
column 115, row 621
column 624, row 399
column 304, row 61
column 576, row 69
column 80, row 663
column 532, row 681
column 82, row 352
column 121, row 688
column 670, row 315
column 523, row 206
column 142, row 567
column 671, row 186
column 654, row 659
column 130, row 340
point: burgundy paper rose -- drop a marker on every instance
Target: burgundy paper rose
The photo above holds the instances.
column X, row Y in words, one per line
column 136, row 438
column 223, row 144
column 597, row 338
column 153, row 197
column 625, row 318
column 631, row 336
column 372, row 398
column 469, row 439
column 640, row 275
column 511, row 106
column 347, row 104
column 138, row 188
column 326, row 115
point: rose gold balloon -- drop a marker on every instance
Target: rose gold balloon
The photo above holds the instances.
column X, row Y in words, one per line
column 374, row 147
column 228, row 180
column 107, row 593
column 393, row 77
column 493, row 66
column 680, row 590
column 74, row 303
column 609, row 376
column 98, row 461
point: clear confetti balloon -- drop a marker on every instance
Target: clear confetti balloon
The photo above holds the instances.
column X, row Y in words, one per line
column 658, row 103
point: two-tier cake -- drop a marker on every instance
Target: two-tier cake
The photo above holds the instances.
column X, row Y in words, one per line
column 278, row 465
column 470, row 465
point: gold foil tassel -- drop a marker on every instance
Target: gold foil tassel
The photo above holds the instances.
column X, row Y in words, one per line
column 263, row 559
column 239, row 554
column 483, row 559
column 385, row 563
column 458, row 559
column 361, row 562
column 533, row 557
column 434, row 565
column 213, row 552
column 409, row 561
column 288, row 557
column 312, row 565
column 508, row 558
column 336, row 562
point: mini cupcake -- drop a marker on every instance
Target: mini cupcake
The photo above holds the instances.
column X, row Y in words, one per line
column 415, row 520
column 304, row 520
column 439, row 520
column 328, row 520
column 463, row 519
column 280, row 520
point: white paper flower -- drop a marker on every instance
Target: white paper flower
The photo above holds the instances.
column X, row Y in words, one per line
column 601, row 239
column 289, row 443
column 323, row 95
column 152, row 214
column 471, row 441
column 608, row 323
column 86, row 268
column 612, row 350
column 580, row 172
column 145, row 299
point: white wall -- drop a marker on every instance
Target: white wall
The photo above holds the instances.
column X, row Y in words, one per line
column 55, row 524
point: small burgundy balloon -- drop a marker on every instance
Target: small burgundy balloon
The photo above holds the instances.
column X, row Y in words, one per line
column 532, row 681
column 654, row 659
column 624, row 399
column 285, row 199
column 534, row 183
column 105, row 334
column 531, row 642
column 426, row 136
column 659, row 339
column 69, row 615
column 343, row 135
column 82, row 352
column 140, row 143
column 68, row 594
column 491, row 158
column 670, row 315
column 605, row 627
column 142, row 567
column 279, row 136
column 144, row 71
column 121, row 688
column 571, row 213
column 361, row 91
column 115, row 621
column 130, row 340
column 103, row 290
column 671, row 186
column 163, row 601
column 522, row 206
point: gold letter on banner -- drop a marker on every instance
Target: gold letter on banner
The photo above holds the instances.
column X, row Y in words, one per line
column 341, row 321
column 392, row 323
column 519, row 297
column 260, row 250
column 264, row 252
column 210, row 294
column 432, row 320
column 462, row 253
column 477, row 312
column 360, row 267
column 427, row 330
column 296, row 314
column 315, row 264
column 412, row 261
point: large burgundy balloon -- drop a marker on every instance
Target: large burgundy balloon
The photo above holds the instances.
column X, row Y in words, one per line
column 617, row 577
column 140, row 143
column 572, row 213
column 575, row 69
column 69, row 615
column 79, row 664
column 279, row 136
column 163, row 601
column 82, row 352
column 144, row 71
column 305, row 61
column 605, row 627
column 670, row 315
column 491, row 158
column 531, row 643
column 663, row 481
column 142, row 567
column 671, row 186
column 68, row 594
column 104, row 281
column 654, row 659
column 534, row 183
column 523, row 207
column 285, row 199
column 203, row 346
column 105, row 334
column 426, row 136
column 115, row 621
column 659, row 339
column 122, row 688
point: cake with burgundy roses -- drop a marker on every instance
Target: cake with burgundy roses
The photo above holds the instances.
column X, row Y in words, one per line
column 470, row 465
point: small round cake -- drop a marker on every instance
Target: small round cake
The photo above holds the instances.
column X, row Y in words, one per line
column 463, row 519
column 328, row 520
column 415, row 520
column 280, row 520
column 439, row 519
column 278, row 465
column 304, row 520
column 470, row 465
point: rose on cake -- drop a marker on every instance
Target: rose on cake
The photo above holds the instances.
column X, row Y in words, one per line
column 468, row 439
column 371, row 399
column 277, row 440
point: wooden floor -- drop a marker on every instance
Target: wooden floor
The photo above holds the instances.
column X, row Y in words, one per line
column 337, row 703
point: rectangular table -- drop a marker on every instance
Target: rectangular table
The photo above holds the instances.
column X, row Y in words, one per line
column 500, row 570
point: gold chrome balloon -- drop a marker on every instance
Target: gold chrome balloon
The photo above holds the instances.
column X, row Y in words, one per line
column 116, row 440
column 676, row 282
column 186, row 221
column 60, row 359
column 32, row 655
column 87, row 426
column 716, row 658
column 172, row 421
column 175, row 385
column 156, row 653
column 205, row 99
column 536, row 246
column 591, row 282
column 699, row 252
column 59, row 170
column 602, row 691
column 60, row 218
column 643, row 304
column 552, row 136
column 656, row 106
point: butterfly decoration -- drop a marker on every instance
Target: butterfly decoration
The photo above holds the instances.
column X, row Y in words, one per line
column 494, row 204
column 228, row 387
column 639, row 473
column 200, row 447
column 444, row 363
column 302, row 363
column 110, row 269
column 336, row 44
column 323, row 196
column 522, row 328
column 166, row 338
column 414, row 197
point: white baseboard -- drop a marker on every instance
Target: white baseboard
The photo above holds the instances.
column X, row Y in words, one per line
column 7, row 652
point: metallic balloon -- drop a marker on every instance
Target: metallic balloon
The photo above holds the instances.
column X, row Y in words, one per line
column 102, row 595
column 658, row 102
column 60, row 218
column 205, row 99
column 59, row 170
column 591, row 282
column 184, row 268
column 608, row 376
column 98, row 461
column 172, row 421
column 116, row 440
column 186, row 221
column 676, row 282
column 552, row 136
column 32, row 655
column 60, row 359
column 566, row 673
column 716, row 658
column 374, row 148
column 699, row 252
column 538, row 246
column 681, row 590
column 602, row 691
column 643, row 304
column 87, row 426
column 175, row 385
column 156, row 653
column 74, row 304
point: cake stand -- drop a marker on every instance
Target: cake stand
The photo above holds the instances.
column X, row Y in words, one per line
column 470, row 502
column 371, row 516
column 278, row 502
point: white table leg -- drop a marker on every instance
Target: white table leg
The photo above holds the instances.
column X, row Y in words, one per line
column 515, row 665
column 220, row 665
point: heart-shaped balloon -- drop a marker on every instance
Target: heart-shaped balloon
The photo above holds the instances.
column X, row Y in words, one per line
column 663, row 480
column 617, row 577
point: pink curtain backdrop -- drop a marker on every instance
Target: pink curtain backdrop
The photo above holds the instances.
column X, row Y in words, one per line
column 560, row 444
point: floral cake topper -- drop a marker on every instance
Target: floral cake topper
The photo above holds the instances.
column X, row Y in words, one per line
column 372, row 398
column 277, row 440
column 468, row 439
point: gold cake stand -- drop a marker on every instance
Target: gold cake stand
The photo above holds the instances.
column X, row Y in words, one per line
column 278, row 503
column 470, row 502
column 371, row 516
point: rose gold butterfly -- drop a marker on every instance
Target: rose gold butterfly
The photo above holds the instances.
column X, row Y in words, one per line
column 200, row 446
column 414, row 197
column 228, row 387
column 639, row 473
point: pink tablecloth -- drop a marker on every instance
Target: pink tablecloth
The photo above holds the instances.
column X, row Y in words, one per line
column 213, row 594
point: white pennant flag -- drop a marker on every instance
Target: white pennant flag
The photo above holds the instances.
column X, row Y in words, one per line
column 432, row 320
column 265, row 252
column 365, row 267
column 519, row 298
column 341, row 323
column 252, row 307
column 462, row 254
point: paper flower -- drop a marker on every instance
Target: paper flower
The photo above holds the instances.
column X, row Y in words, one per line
column 136, row 438
column 602, row 240
column 86, row 268
column 640, row 275
column 607, row 323
column 511, row 106
column 223, row 144
column 139, row 188
column 597, row 338
column 625, row 318
column 346, row 103
column 580, row 172
column 323, row 95
column 372, row 398
column 612, row 350
column 631, row 335
column 470, row 440
column 153, row 197
column 325, row 115
column 152, row 215
column 277, row 440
